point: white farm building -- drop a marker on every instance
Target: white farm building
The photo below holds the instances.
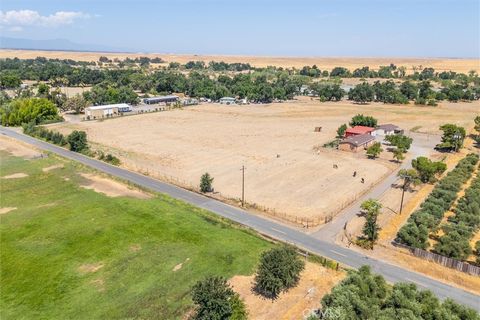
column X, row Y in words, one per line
column 106, row 111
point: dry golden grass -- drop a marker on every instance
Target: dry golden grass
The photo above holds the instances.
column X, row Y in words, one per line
column 315, row 282
column 328, row 63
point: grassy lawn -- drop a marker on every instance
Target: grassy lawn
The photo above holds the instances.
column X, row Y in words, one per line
column 60, row 233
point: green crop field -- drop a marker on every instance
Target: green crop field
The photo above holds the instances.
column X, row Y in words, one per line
column 72, row 253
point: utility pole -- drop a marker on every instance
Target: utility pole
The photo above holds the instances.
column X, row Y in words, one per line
column 243, row 185
column 403, row 194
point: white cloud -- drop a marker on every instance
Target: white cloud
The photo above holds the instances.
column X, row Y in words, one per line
column 33, row 18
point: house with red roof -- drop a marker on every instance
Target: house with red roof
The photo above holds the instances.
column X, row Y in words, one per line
column 359, row 130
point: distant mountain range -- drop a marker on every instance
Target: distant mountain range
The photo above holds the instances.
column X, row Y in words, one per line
column 55, row 44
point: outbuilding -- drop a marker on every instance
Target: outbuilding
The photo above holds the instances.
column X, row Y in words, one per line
column 359, row 130
column 228, row 100
column 161, row 99
column 356, row 143
column 105, row 111
column 388, row 129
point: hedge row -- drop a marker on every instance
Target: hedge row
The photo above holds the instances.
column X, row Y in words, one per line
column 427, row 218
column 455, row 243
column 55, row 137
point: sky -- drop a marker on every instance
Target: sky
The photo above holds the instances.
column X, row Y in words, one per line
column 367, row 28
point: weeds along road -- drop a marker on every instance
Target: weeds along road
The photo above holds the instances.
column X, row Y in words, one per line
column 264, row 226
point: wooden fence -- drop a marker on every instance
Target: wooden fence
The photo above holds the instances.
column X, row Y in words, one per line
column 444, row 261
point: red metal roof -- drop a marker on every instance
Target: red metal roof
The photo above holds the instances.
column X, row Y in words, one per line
column 359, row 130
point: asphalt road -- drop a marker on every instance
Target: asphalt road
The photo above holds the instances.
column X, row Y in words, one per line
column 271, row 228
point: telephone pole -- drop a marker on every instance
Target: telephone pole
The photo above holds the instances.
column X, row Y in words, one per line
column 403, row 195
column 243, row 185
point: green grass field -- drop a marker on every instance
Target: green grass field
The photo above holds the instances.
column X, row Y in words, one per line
column 59, row 227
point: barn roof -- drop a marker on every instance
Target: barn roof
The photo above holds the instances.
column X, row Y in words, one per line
column 109, row 106
column 358, row 140
column 359, row 130
column 388, row 127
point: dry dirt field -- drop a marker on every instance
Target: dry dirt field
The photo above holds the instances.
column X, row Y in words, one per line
column 328, row 63
column 275, row 142
column 296, row 303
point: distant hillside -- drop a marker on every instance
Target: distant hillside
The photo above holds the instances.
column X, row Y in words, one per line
column 55, row 44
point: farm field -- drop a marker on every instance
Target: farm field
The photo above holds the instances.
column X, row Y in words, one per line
column 439, row 64
column 276, row 142
column 70, row 252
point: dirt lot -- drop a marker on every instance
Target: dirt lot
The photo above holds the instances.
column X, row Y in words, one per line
column 328, row 63
column 275, row 142
column 17, row 148
column 111, row 187
column 315, row 282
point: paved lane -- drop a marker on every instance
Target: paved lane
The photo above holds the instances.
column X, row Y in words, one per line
column 270, row 228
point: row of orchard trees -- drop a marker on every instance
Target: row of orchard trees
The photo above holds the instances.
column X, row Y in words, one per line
column 427, row 219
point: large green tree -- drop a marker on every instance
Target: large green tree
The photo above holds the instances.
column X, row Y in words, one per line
column 428, row 169
column 361, row 120
column 76, row 104
column 452, row 138
column 374, row 150
column 371, row 208
column 20, row 111
column 77, row 141
column 279, row 270
column 362, row 93
column 9, row 80
column 216, row 300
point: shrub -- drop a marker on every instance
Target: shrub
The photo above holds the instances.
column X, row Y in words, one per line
column 279, row 270
column 215, row 299
column 112, row 159
column 206, row 182
column 77, row 141
column 374, row 150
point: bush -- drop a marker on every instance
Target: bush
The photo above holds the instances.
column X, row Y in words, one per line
column 279, row 271
column 215, row 299
column 77, row 141
column 206, row 183
column 112, row 159
column 374, row 150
